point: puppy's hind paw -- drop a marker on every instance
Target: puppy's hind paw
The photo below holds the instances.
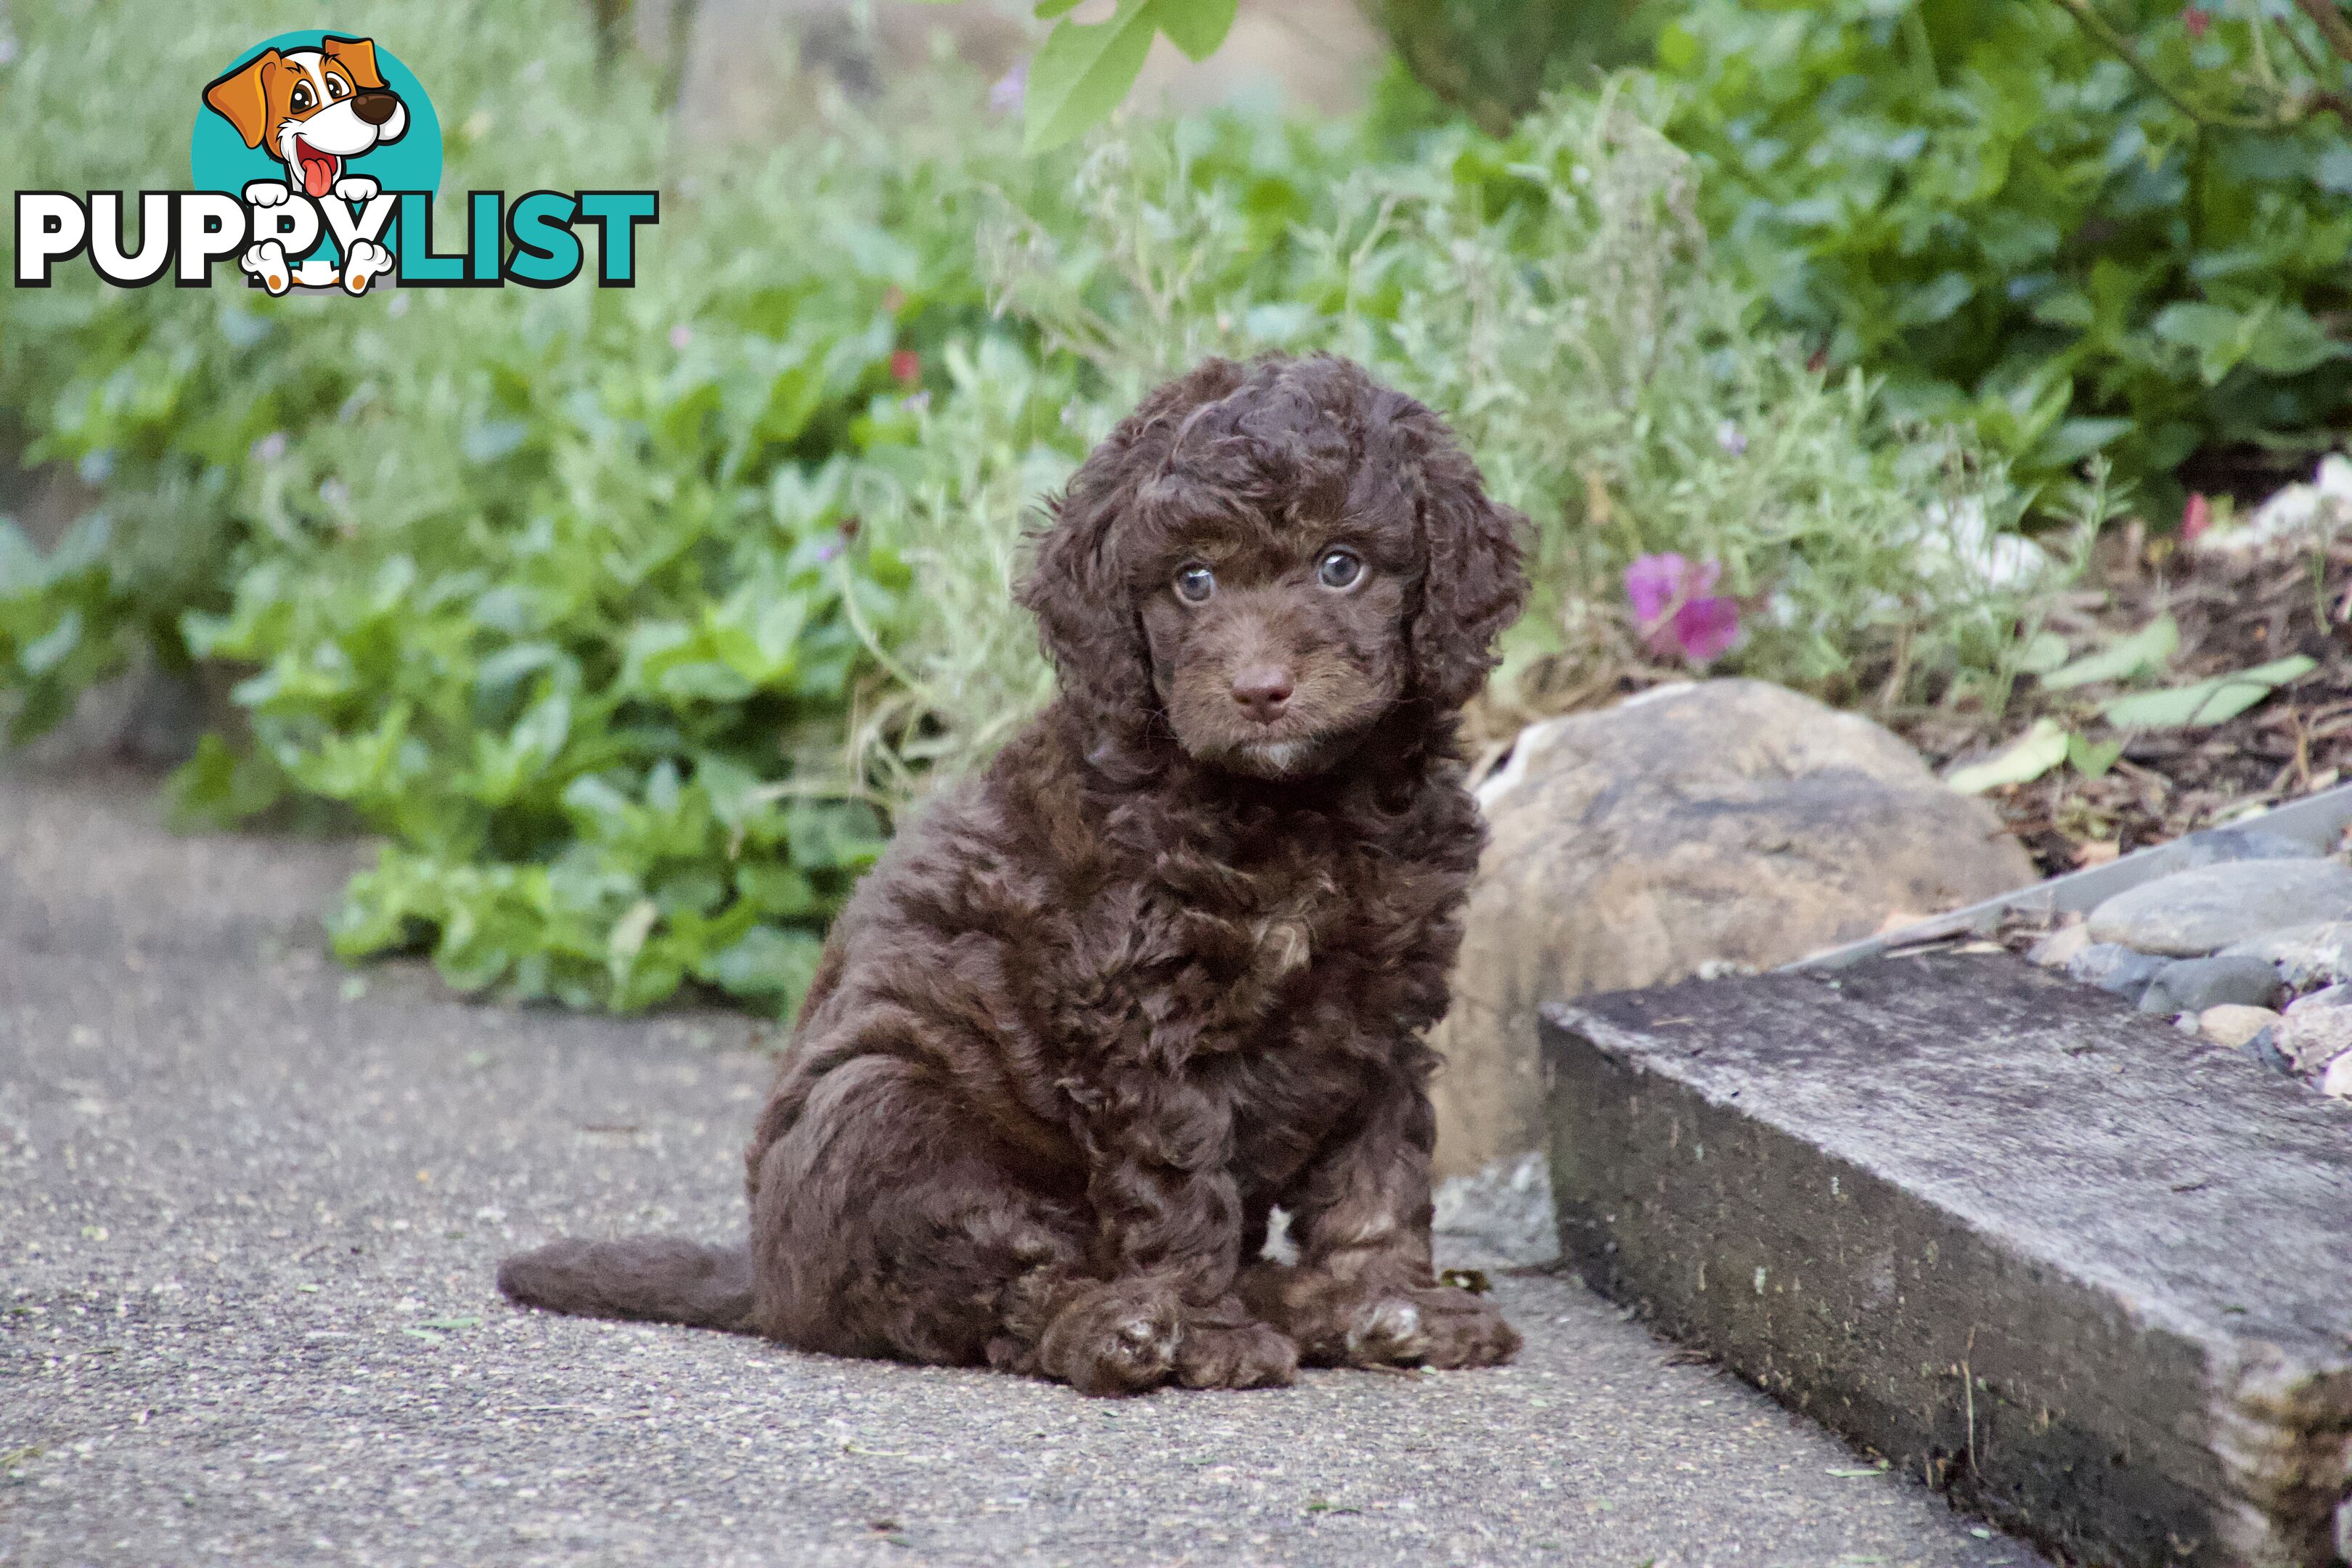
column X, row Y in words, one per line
column 1249, row 1356
column 1437, row 1326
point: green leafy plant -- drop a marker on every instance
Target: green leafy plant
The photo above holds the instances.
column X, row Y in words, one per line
column 630, row 620
column 571, row 596
column 1986, row 205
column 1553, row 293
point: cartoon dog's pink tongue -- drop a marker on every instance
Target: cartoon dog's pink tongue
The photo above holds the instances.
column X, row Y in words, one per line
column 317, row 168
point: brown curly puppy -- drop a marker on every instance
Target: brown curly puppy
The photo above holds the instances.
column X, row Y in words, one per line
column 1167, row 964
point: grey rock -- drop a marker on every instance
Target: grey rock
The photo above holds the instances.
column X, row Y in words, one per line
column 2264, row 1048
column 2337, row 1085
column 2234, row 1026
column 2306, row 955
column 2112, row 968
column 1731, row 821
column 1504, row 1213
column 2058, row 949
column 2222, row 846
column 2315, row 1037
column 2192, row 914
column 2326, row 996
column 2193, row 984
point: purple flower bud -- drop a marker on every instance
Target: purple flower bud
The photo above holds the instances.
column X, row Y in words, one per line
column 680, row 335
column 1674, row 603
column 1728, row 436
column 1012, row 89
column 1651, row 584
column 270, row 448
column 1706, row 629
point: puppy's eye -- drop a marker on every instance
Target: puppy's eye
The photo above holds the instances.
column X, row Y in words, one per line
column 1195, row 583
column 337, row 88
column 299, row 99
column 1340, row 569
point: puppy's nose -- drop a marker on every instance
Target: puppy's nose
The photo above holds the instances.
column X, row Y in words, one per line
column 1262, row 691
column 375, row 108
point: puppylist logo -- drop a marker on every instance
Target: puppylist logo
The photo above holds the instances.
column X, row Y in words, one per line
column 314, row 161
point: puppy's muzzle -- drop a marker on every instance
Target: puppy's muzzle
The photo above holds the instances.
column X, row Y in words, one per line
column 373, row 106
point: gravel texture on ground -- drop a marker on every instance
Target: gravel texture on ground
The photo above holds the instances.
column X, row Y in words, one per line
column 249, row 1207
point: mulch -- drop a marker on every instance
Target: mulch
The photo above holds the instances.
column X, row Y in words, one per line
column 2233, row 613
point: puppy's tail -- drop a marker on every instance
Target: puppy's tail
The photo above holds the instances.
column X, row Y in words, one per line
column 652, row 1278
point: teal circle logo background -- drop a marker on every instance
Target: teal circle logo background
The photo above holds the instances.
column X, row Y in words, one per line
column 219, row 159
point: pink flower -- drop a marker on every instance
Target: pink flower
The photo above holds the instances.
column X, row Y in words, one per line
column 906, row 367
column 1675, row 603
column 680, row 335
column 2195, row 519
column 2197, row 19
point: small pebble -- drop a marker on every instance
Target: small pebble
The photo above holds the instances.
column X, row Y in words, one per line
column 2306, row 955
column 2233, row 1025
column 2115, row 968
column 2222, row 846
column 2058, row 949
column 2339, row 1081
column 2313, row 1037
column 2192, row 914
column 2326, row 996
column 2193, row 984
column 2264, row 1048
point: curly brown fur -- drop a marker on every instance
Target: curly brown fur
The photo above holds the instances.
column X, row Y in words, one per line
column 1167, row 964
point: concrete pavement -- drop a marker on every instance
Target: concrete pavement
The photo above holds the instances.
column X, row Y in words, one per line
column 249, row 1206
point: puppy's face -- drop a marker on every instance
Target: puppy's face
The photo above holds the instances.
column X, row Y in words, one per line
column 1275, row 642
column 1265, row 559
column 313, row 109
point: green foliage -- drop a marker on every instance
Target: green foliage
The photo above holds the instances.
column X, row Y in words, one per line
column 568, row 594
column 1552, row 293
column 1991, row 210
column 1083, row 70
column 628, row 619
column 1492, row 59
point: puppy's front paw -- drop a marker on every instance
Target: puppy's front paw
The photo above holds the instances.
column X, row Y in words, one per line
column 1432, row 1326
column 1251, row 1355
column 1115, row 1339
column 266, row 193
column 355, row 188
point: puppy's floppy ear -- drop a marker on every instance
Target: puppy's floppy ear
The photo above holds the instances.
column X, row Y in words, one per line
column 242, row 97
column 1472, row 585
column 1077, row 585
column 356, row 56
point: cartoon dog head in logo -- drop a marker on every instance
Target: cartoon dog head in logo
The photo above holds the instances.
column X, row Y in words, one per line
column 315, row 109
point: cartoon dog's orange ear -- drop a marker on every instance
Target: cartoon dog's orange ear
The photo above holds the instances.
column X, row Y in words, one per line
column 356, row 56
column 242, row 97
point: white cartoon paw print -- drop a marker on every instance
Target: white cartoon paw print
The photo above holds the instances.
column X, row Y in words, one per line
column 266, row 193
column 362, row 266
column 267, row 262
column 355, row 188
